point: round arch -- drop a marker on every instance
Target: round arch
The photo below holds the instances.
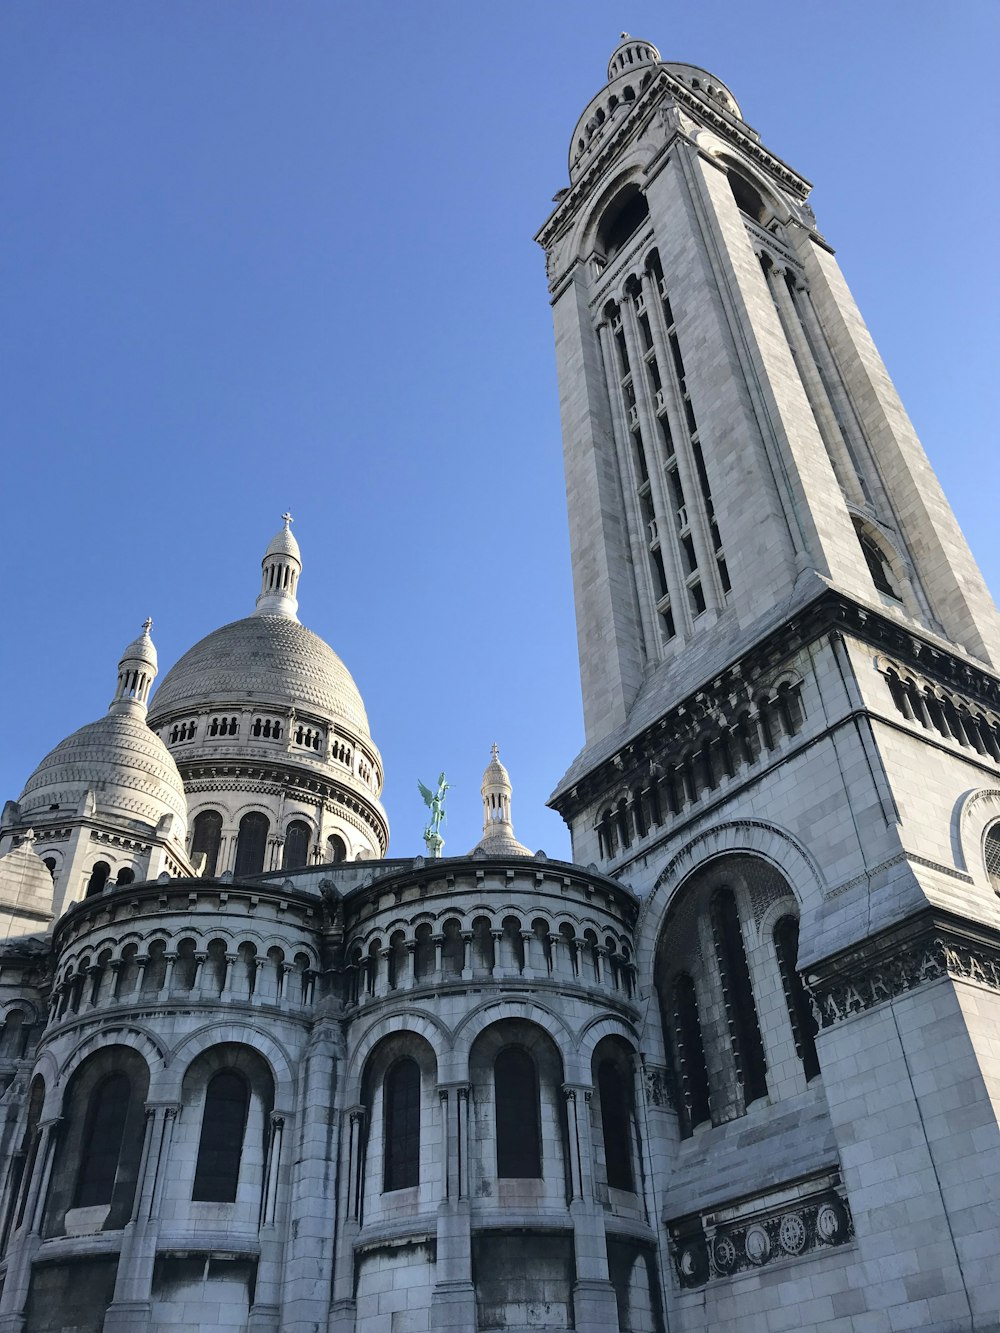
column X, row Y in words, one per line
column 419, row 1022
column 166, row 1083
column 747, row 837
column 495, row 1011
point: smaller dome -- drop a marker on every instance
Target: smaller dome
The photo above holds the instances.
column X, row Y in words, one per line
column 630, row 52
column 127, row 767
column 142, row 649
column 283, row 542
column 117, row 761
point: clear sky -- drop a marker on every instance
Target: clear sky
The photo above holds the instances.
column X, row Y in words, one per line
column 266, row 255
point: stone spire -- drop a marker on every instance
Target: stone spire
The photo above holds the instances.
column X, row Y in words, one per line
column 280, row 570
column 136, row 673
column 498, row 832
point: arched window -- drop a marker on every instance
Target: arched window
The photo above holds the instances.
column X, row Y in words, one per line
column 401, row 1120
column 991, row 852
column 622, row 218
column 102, row 1141
column 126, row 876
column 519, row 1141
column 786, row 946
column 98, row 878
column 297, row 838
column 251, row 844
column 223, row 1125
column 741, row 1011
column 747, row 196
column 207, row 838
column 689, row 1054
column 877, row 562
column 336, row 848
column 616, row 1126
column 51, row 862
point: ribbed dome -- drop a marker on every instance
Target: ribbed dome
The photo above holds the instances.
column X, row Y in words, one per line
column 127, row 766
column 266, row 658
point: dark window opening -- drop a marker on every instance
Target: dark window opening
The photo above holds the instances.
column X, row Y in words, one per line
column 622, row 219
column 748, row 198
column 401, row 1093
column 689, row 1051
column 207, row 838
column 878, row 565
column 519, row 1152
column 741, row 1010
column 336, row 848
column 98, row 878
column 615, row 1123
column 251, row 844
column 297, row 838
column 223, row 1126
column 804, row 1028
column 102, row 1141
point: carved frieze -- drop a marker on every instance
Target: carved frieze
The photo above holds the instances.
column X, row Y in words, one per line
column 705, row 1249
column 925, row 948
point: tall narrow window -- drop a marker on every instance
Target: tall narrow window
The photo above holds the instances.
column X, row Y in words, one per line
column 297, row 839
column 98, row 878
column 615, row 1123
column 102, row 1141
column 220, row 1148
column 786, row 945
column 251, row 844
column 336, row 848
column 207, row 837
column 741, row 1011
column 519, row 1144
column 877, row 562
column 401, row 1097
column 692, row 1069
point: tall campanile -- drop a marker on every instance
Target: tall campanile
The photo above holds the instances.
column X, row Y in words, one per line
column 789, row 662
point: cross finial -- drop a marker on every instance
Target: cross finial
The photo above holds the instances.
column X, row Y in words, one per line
column 494, row 751
column 147, row 624
column 286, row 518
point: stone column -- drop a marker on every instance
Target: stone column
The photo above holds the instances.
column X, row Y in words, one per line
column 593, row 1295
column 453, row 1298
column 132, row 1303
column 26, row 1239
column 343, row 1305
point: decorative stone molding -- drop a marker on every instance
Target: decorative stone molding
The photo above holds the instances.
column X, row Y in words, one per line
column 710, row 1247
column 925, row 948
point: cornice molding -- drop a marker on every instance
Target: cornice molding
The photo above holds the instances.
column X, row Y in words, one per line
column 831, row 612
column 932, row 945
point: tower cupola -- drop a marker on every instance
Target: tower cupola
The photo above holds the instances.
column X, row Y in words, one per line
column 280, row 570
column 629, row 54
column 136, row 673
column 498, row 832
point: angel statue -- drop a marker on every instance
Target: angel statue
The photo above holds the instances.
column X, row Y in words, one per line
column 434, row 800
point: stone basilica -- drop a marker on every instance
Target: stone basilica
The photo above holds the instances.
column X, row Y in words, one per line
column 733, row 1069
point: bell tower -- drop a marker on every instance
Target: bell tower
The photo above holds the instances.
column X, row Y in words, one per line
column 733, row 442
column 789, row 661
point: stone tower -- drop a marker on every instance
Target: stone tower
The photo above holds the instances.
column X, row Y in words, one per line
column 789, row 665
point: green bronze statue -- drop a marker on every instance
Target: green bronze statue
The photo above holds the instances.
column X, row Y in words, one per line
column 434, row 800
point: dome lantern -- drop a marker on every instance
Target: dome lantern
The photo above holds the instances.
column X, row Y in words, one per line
column 498, row 832
column 629, row 53
column 280, row 570
column 136, row 673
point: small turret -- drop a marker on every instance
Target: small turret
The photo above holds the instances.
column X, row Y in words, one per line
column 136, row 673
column 280, row 570
column 498, row 832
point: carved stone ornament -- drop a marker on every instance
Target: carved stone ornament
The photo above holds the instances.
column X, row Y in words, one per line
column 926, row 947
column 760, row 1236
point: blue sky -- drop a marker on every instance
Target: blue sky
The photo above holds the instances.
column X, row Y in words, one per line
column 268, row 255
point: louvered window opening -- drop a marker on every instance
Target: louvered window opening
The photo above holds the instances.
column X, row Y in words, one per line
column 401, row 1094
column 741, row 1010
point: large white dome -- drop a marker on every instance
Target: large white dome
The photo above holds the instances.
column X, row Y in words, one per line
column 270, row 659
